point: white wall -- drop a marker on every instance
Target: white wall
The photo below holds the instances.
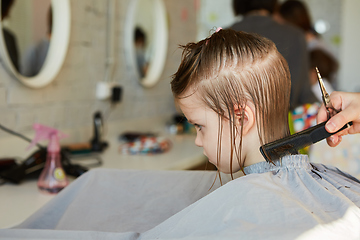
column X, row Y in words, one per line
column 214, row 14
column 350, row 47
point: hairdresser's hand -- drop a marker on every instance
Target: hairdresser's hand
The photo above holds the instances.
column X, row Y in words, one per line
column 349, row 106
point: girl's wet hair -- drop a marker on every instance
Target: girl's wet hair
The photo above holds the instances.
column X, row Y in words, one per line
column 232, row 68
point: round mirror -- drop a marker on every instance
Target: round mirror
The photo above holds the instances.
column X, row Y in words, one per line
column 146, row 39
column 35, row 39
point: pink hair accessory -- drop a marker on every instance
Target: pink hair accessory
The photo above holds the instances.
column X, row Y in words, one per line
column 218, row 29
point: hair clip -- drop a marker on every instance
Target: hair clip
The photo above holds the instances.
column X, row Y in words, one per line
column 217, row 30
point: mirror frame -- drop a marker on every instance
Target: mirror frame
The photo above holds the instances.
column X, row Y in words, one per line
column 157, row 64
column 55, row 57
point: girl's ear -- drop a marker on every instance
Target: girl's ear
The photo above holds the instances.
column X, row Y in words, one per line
column 246, row 116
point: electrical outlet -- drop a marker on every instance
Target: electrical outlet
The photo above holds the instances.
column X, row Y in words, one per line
column 103, row 90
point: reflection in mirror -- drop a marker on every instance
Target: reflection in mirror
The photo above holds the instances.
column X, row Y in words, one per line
column 140, row 48
column 146, row 37
column 9, row 35
column 144, row 31
column 34, row 39
column 33, row 59
column 29, row 24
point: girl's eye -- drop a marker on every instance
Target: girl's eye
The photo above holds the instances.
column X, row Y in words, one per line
column 198, row 127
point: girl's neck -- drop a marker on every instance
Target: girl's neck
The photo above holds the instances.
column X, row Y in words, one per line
column 253, row 154
column 251, row 148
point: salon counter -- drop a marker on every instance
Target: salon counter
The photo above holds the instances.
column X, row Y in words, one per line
column 17, row 202
column 182, row 155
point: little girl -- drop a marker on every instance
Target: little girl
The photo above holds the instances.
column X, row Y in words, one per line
column 235, row 88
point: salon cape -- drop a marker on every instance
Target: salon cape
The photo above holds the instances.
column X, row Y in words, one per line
column 293, row 200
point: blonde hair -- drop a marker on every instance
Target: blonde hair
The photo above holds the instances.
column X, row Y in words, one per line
column 231, row 68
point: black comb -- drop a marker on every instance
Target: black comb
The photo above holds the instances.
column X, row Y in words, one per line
column 293, row 143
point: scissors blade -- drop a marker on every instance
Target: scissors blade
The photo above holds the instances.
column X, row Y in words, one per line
column 325, row 95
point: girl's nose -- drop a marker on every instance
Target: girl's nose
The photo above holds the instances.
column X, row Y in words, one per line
column 198, row 141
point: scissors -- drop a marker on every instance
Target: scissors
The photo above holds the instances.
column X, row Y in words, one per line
column 331, row 111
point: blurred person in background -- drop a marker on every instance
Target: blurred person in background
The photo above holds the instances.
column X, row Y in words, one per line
column 327, row 67
column 296, row 13
column 290, row 41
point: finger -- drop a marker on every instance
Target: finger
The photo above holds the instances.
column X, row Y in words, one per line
column 340, row 119
column 334, row 140
column 343, row 132
column 355, row 128
column 336, row 101
column 322, row 115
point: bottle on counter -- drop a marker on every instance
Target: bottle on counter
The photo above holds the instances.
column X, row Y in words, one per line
column 52, row 178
